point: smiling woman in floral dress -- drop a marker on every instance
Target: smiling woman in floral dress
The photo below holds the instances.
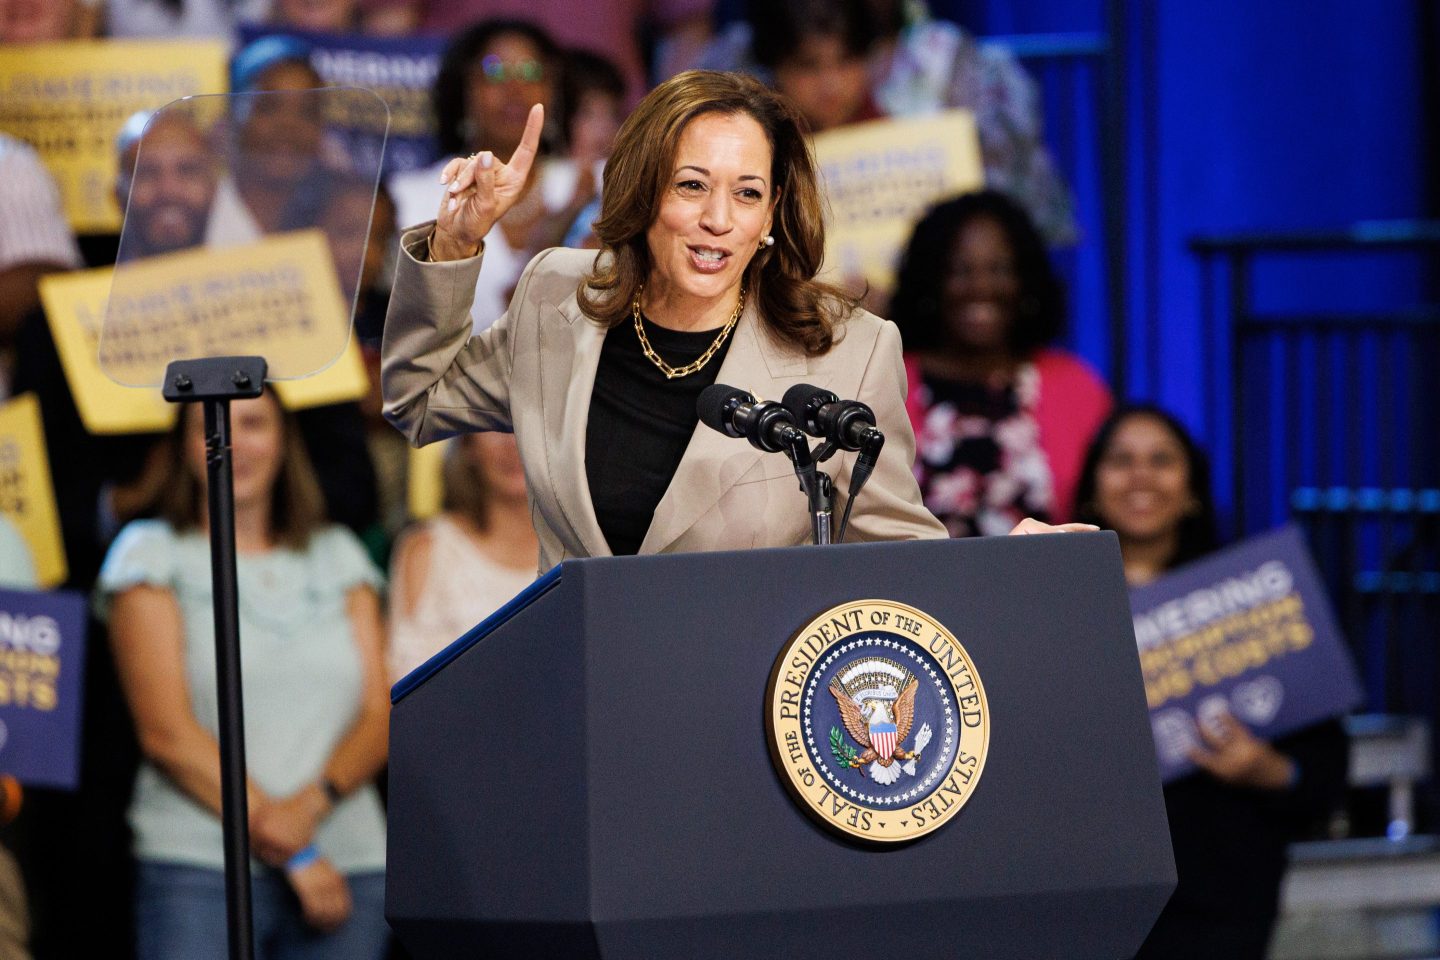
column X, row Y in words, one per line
column 1002, row 417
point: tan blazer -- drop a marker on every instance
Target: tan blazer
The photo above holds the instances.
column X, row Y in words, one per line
column 533, row 372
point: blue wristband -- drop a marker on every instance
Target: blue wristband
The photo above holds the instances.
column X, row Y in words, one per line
column 302, row 859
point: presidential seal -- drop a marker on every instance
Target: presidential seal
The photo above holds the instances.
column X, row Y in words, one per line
column 877, row 721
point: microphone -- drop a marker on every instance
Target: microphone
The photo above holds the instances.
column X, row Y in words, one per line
column 770, row 427
column 734, row 412
column 847, row 424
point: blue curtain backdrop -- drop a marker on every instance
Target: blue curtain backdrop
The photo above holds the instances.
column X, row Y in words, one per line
column 1276, row 117
column 1283, row 116
column 1249, row 117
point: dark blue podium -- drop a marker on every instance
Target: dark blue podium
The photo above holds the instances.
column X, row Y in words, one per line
column 586, row 774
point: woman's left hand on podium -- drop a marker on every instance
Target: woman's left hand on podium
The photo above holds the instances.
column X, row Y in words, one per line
column 1031, row 525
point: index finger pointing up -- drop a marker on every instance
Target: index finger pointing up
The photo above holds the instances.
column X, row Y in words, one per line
column 524, row 154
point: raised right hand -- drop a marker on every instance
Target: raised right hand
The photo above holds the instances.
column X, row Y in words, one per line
column 480, row 191
column 324, row 895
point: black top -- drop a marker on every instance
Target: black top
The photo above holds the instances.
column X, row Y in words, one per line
column 640, row 424
column 1230, row 850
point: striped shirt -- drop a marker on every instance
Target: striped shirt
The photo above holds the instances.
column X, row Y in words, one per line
column 32, row 223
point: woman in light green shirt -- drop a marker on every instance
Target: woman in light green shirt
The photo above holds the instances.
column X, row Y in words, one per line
column 316, row 705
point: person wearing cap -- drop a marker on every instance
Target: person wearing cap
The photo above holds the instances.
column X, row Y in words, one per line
column 283, row 171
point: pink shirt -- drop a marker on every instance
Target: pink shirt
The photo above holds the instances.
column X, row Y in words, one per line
column 1073, row 402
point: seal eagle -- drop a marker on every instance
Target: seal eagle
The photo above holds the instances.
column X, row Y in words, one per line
column 861, row 718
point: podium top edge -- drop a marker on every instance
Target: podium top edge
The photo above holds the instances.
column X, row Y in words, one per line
column 406, row 684
column 756, row 554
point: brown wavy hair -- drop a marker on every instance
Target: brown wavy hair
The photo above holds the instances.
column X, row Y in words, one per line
column 795, row 307
column 297, row 504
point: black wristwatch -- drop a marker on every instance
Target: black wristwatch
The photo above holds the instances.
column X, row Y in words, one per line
column 332, row 792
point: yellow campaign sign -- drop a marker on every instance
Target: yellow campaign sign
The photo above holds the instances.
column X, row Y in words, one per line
column 27, row 496
column 343, row 380
column 69, row 100
column 277, row 298
column 75, row 308
column 425, row 482
column 880, row 178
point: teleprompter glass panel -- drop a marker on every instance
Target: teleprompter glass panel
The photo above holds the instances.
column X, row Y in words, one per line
column 246, row 230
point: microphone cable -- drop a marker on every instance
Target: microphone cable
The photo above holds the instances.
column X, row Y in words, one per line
column 870, row 445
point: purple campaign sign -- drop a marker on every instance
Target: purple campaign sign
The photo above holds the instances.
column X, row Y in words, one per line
column 1246, row 630
column 42, row 659
column 399, row 70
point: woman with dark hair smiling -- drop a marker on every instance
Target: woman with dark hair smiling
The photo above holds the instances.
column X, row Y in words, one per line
column 1145, row 478
column 1001, row 416
column 1231, row 821
column 491, row 74
column 816, row 50
column 712, row 235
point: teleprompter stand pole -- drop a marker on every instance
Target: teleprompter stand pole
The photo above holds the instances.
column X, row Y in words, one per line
column 215, row 382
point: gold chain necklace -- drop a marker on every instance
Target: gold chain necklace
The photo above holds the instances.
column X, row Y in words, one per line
column 673, row 372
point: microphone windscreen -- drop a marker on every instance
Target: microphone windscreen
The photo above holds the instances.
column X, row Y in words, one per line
column 711, row 403
column 798, row 397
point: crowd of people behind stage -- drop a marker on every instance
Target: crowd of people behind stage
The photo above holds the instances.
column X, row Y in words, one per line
column 1008, row 425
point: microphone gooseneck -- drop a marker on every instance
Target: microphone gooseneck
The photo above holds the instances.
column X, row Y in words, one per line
column 769, row 426
column 864, row 466
column 844, row 425
column 777, row 427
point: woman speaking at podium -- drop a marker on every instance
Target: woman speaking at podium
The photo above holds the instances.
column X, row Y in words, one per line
column 711, row 237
